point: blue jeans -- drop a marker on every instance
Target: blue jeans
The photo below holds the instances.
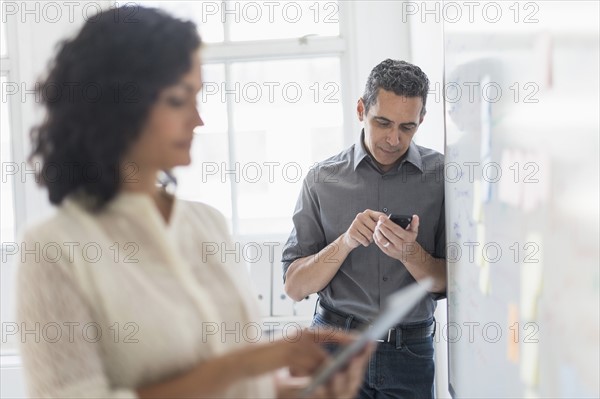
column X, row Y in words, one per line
column 401, row 370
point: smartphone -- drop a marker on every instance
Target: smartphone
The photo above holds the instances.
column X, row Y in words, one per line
column 401, row 220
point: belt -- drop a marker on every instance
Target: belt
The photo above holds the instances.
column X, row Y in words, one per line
column 408, row 332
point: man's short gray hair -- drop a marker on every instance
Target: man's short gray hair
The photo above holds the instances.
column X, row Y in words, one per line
column 400, row 77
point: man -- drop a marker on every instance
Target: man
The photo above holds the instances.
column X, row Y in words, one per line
column 345, row 247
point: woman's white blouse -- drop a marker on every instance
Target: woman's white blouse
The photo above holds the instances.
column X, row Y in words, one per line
column 122, row 299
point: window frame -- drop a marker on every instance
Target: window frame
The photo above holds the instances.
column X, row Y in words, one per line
column 228, row 52
column 9, row 68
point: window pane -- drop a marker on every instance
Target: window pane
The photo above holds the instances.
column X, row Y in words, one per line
column 7, row 218
column 287, row 115
column 7, row 224
column 264, row 20
column 210, row 26
column 202, row 180
column 3, row 50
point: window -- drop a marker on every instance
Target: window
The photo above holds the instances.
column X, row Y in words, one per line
column 3, row 52
column 210, row 28
column 223, row 21
column 271, row 104
column 276, row 142
column 7, row 203
column 7, row 217
column 210, row 148
column 272, row 107
column 282, row 19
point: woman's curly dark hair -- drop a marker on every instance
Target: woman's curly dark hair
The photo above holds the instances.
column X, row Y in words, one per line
column 98, row 94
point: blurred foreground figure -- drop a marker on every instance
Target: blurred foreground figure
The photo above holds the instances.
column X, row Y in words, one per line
column 128, row 302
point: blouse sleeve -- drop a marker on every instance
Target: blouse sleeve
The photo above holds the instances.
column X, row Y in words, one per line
column 59, row 360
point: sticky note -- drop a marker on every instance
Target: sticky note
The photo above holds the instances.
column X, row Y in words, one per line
column 479, row 258
column 486, row 123
column 512, row 349
column 510, row 187
column 484, row 279
column 536, row 176
column 477, row 201
column 531, row 275
column 530, row 363
column 530, row 393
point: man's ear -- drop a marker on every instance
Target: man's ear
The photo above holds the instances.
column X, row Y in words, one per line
column 422, row 117
column 360, row 109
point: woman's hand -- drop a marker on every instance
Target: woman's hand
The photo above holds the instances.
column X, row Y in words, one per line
column 344, row 384
column 319, row 336
column 302, row 354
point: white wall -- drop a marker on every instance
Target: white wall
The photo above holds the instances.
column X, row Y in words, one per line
column 374, row 34
column 12, row 384
column 427, row 51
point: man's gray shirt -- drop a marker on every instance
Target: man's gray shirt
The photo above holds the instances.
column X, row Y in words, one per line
column 339, row 188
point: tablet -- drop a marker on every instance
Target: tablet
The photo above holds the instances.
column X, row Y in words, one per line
column 397, row 306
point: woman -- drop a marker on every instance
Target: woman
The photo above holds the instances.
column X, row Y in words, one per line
column 127, row 302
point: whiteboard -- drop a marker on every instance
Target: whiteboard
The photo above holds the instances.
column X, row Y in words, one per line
column 522, row 161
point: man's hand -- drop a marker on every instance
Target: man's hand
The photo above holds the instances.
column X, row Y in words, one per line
column 394, row 241
column 362, row 229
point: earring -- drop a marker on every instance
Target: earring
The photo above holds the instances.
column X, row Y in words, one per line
column 167, row 182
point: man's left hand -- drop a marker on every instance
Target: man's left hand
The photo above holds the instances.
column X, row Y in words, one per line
column 395, row 241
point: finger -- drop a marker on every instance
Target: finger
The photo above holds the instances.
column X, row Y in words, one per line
column 365, row 231
column 369, row 222
column 374, row 215
column 334, row 336
column 306, row 364
column 381, row 240
column 396, row 240
column 356, row 370
column 414, row 225
column 366, row 353
column 307, row 355
column 382, row 243
column 393, row 227
column 305, row 361
column 320, row 393
column 387, row 236
column 356, row 235
column 359, row 363
column 336, row 385
column 354, row 376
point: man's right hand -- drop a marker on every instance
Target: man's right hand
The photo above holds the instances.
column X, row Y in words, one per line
column 362, row 228
column 312, row 273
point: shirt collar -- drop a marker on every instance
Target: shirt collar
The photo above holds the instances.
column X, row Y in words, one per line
column 414, row 156
column 360, row 153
